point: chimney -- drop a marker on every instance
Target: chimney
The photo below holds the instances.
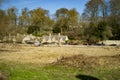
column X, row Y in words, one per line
column 59, row 34
column 49, row 34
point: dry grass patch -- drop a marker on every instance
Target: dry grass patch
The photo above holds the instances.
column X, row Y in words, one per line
column 45, row 55
column 89, row 62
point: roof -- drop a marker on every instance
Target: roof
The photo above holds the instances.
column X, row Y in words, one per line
column 54, row 38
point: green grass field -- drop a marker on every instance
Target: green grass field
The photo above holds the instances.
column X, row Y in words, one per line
column 20, row 65
column 16, row 71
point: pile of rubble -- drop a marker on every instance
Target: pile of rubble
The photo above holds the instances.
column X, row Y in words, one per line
column 82, row 61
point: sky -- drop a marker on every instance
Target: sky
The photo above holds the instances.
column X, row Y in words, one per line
column 51, row 5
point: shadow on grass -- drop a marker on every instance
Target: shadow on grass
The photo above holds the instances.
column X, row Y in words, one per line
column 86, row 77
column 8, row 50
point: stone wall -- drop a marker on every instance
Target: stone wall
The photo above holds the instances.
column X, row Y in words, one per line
column 111, row 42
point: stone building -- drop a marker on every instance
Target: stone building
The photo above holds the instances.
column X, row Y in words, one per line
column 57, row 39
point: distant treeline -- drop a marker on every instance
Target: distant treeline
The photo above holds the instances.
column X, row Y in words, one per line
column 99, row 21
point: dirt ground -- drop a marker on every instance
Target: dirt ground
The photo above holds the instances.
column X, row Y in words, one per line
column 50, row 54
column 89, row 62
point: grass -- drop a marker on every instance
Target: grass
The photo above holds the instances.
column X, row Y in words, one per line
column 45, row 55
column 34, row 72
column 18, row 71
column 34, row 63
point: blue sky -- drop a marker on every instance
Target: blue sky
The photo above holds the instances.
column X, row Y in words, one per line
column 51, row 5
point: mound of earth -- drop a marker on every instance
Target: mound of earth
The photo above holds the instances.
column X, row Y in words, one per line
column 3, row 76
column 83, row 61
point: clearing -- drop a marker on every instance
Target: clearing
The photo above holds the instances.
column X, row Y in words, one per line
column 27, row 62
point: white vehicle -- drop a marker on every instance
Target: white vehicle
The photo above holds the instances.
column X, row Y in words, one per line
column 37, row 43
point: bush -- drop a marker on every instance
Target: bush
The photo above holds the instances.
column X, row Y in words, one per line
column 33, row 29
column 56, row 30
column 75, row 42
